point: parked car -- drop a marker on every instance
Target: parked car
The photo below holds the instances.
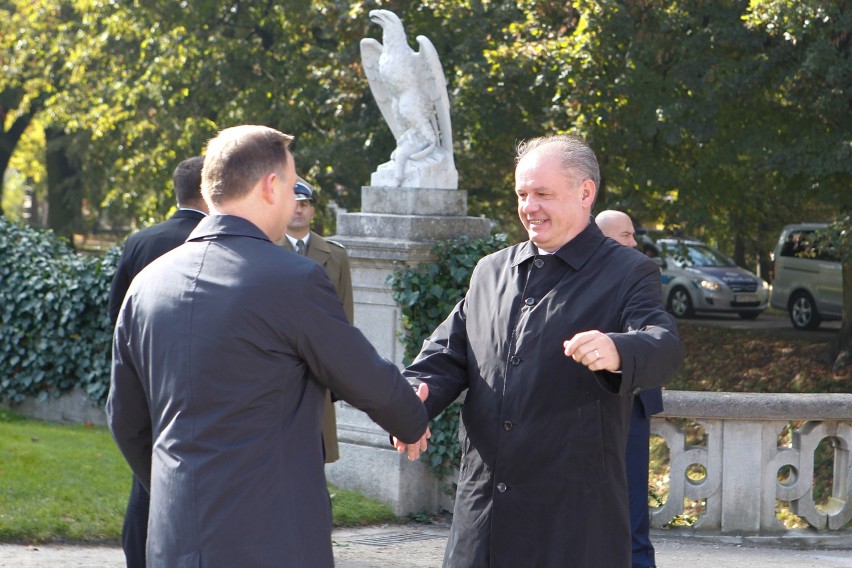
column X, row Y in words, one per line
column 698, row 278
column 807, row 280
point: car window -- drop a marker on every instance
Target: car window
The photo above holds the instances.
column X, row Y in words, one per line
column 687, row 255
column 806, row 244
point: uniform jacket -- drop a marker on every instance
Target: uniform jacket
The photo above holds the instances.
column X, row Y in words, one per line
column 217, row 393
column 542, row 481
column 333, row 258
column 144, row 246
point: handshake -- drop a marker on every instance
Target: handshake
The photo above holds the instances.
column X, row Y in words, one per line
column 413, row 450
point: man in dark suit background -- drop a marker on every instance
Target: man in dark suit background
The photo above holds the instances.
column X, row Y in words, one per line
column 144, row 246
column 140, row 249
column 219, row 379
column 619, row 227
column 333, row 258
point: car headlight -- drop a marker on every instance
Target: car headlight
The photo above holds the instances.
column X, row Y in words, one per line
column 709, row 285
column 764, row 284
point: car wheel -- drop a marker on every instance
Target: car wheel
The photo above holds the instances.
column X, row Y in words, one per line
column 680, row 304
column 803, row 311
column 749, row 315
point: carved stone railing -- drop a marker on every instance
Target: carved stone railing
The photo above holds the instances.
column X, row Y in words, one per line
column 742, row 457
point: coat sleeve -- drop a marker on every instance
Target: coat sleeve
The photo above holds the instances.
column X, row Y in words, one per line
column 343, row 360
column 649, row 346
column 127, row 412
column 442, row 362
column 118, row 287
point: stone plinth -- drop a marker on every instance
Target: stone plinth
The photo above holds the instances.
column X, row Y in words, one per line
column 411, row 201
column 395, row 226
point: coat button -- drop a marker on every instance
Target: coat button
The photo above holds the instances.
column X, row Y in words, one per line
column 501, row 487
column 507, row 425
column 515, row 360
column 529, row 301
column 538, row 263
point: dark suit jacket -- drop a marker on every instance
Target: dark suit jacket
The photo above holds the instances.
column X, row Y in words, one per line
column 217, row 393
column 144, row 246
column 333, row 258
column 651, row 401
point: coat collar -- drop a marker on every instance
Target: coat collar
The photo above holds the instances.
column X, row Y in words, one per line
column 575, row 253
column 214, row 226
column 188, row 214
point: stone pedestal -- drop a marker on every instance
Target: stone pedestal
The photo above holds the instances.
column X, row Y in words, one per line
column 395, row 226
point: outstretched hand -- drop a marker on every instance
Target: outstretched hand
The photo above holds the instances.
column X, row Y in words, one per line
column 413, row 450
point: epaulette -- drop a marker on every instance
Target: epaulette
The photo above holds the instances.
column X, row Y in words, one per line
column 335, row 243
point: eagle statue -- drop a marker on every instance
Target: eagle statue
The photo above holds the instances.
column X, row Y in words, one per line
column 411, row 91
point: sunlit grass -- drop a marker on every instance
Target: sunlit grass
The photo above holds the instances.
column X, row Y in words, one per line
column 62, row 482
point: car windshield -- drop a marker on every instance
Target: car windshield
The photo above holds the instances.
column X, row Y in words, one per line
column 692, row 255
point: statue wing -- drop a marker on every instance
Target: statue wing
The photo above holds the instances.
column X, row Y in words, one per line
column 371, row 51
column 434, row 85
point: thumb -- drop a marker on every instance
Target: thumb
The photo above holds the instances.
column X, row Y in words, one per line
column 423, row 391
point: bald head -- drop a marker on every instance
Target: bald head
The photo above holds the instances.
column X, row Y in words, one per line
column 617, row 226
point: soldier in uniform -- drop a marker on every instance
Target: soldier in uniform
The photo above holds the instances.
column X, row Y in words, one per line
column 333, row 258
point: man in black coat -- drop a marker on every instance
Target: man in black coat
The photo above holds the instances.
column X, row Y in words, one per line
column 219, row 378
column 140, row 249
column 549, row 344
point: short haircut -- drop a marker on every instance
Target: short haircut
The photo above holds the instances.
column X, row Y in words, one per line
column 576, row 156
column 187, row 180
column 238, row 157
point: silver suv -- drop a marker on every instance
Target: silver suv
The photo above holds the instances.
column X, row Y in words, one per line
column 698, row 278
column 807, row 283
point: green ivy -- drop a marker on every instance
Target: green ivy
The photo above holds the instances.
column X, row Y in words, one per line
column 56, row 333
column 426, row 294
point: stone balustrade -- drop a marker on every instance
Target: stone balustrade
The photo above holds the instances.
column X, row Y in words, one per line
column 740, row 457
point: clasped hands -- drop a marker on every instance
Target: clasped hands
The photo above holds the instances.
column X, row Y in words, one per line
column 413, row 450
column 593, row 349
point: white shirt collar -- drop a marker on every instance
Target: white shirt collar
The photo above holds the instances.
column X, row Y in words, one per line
column 293, row 240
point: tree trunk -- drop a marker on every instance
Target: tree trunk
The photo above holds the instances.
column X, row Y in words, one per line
column 739, row 249
column 844, row 338
column 64, row 187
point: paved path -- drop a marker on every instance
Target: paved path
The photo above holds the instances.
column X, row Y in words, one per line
column 422, row 546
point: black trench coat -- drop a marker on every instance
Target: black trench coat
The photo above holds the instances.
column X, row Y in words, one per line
column 542, row 480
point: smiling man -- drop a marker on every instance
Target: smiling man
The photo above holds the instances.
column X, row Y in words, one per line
column 551, row 339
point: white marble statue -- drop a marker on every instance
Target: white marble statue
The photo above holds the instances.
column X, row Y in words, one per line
column 411, row 91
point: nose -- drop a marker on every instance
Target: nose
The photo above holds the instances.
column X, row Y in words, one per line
column 529, row 205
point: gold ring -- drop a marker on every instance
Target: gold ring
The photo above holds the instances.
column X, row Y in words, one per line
column 597, row 355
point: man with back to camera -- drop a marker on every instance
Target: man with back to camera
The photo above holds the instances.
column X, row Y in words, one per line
column 334, row 260
column 544, row 422
column 218, row 382
column 140, row 249
column 619, row 227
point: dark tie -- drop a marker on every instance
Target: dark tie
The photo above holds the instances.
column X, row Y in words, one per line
column 300, row 247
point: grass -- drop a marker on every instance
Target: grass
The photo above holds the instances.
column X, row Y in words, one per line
column 61, row 482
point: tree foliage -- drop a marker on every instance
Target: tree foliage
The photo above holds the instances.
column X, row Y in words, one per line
column 724, row 118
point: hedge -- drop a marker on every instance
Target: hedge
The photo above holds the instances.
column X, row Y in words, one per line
column 56, row 333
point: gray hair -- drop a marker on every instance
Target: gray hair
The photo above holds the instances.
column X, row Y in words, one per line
column 576, row 156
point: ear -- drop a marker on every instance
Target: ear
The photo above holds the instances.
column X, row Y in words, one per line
column 268, row 190
column 588, row 192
